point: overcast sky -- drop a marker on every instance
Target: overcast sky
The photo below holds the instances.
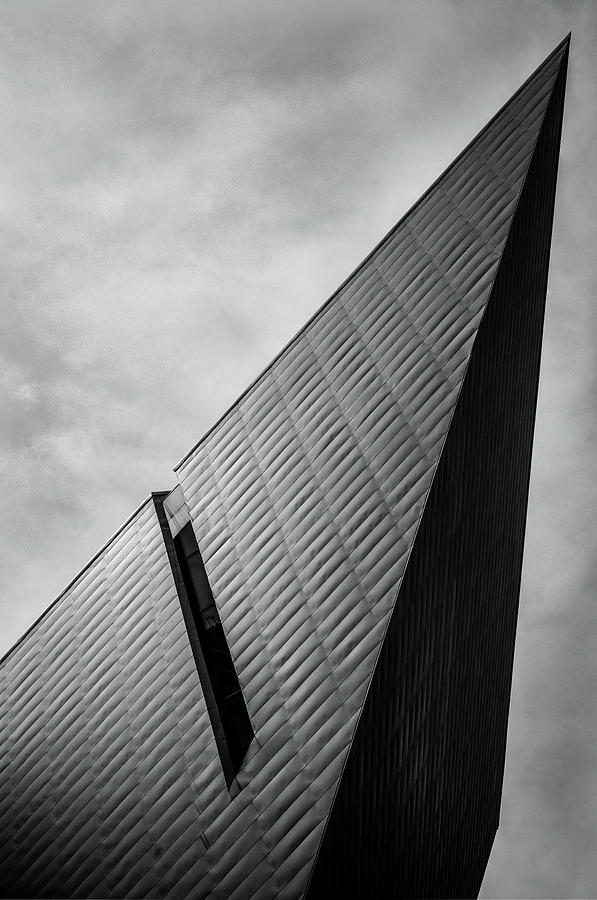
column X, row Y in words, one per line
column 181, row 186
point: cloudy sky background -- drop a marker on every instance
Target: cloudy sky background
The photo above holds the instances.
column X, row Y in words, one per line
column 182, row 184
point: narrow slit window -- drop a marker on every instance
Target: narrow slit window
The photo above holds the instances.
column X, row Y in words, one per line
column 225, row 701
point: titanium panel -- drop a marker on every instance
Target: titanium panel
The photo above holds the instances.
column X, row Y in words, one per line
column 306, row 497
column 419, row 800
column 102, row 721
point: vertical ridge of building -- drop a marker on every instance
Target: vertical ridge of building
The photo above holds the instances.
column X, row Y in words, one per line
column 307, row 496
column 315, row 502
column 426, row 766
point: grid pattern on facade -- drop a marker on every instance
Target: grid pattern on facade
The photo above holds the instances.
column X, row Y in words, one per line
column 101, row 733
column 418, row 804
column 306, row 498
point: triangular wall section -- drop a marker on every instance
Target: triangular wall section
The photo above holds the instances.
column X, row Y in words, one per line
column 306, row 497
column 418, row 803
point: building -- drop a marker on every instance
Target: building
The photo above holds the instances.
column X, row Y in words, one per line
column 290, row 675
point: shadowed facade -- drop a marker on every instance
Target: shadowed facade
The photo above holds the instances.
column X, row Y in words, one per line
column 418, row 804
column 291, row 674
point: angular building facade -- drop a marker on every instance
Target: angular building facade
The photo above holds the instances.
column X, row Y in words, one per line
column 290, row 676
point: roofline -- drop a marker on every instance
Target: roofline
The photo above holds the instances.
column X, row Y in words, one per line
column 79, row 574
column 563, row 43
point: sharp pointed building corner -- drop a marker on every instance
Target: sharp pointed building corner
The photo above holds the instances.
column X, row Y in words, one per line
column 290, row 676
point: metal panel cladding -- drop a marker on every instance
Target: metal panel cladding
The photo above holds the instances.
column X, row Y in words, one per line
column 307, row 496
column 419, row 800
column 103, row 724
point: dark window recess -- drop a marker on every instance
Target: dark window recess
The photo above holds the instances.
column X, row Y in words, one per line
column 225, row 702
